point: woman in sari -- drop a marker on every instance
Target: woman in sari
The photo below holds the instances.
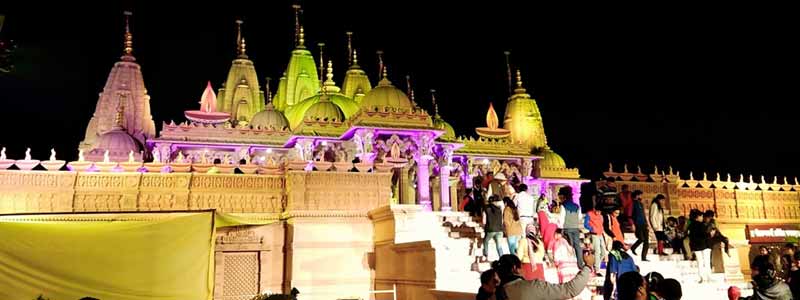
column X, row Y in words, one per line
column 563, row 257
column 531, row 252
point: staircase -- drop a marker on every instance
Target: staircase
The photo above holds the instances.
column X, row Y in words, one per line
column 685, row 271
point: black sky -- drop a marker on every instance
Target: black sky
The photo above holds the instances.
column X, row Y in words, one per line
column 704, row 88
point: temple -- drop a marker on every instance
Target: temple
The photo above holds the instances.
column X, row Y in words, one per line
column 345, row 189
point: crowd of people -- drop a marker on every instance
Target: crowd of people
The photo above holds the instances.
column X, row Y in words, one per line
column 576, row 240
column 564, row 236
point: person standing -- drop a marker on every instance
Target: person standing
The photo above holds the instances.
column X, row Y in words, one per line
column 526, row 206
column 626, row 197
column 657, row 222
column 564, row 257
column 593, row 221
column 511, row 225
column 698, row 242
column 619, row 263
column 640, row 222
column 493, row 226
column 573, row 221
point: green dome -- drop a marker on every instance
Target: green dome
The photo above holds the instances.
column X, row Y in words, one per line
column 386, row 95
column 324, row 111
column 552, row 160
column 441, row 124
column 270, row 118
column 297, row 113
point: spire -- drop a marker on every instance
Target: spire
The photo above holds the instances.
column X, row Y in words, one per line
column 321, row 60
column 128, row 49
column 329, row 77
column 381, row 69
column 298, row 29
column 240, row 44
column 508, row 71
column 519, row 89
column 349, row 47
column 409, row 90
column 435, row 105
column 301, row 39
column 268, row 91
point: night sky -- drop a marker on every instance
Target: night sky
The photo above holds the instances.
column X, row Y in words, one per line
column 700, row 88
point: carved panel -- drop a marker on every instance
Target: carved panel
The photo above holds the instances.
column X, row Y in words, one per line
column 695, row 198
column 750, row 205
column 106, row 191
column 241, row 273
column 236, row 182
column 159, row 191
column 321, row 191
column 36, row 191
column 726, row 204
column 781, row 205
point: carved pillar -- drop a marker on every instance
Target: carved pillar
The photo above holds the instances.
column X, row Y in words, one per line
column 423, row 156
column 423, row 183
column 444, row 177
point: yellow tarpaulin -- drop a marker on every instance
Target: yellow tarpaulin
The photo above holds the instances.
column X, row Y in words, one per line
column 120, row 257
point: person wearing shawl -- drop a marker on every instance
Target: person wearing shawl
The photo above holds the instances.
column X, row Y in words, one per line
column 531, row 252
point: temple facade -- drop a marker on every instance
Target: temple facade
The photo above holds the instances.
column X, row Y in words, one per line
column 360, row 171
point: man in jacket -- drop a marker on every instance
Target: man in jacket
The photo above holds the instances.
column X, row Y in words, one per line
column 766, row 286
column 542, row 290
column 640, row 222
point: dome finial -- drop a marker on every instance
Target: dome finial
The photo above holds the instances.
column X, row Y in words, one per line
column 385, row 73
column 355, row 57
column 508, row 71
column 519, row 89
column 349, row 47
column 298, row 29
column 380, row 61
column 321, row 60
column 409, row 90
column 329, row 76
column 301, row 39
column 268, row 91
column 240, row 44
column 435, row 105
column 128, row 50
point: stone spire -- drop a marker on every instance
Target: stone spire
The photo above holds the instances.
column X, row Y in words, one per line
column 127, row 51
column 124, row 81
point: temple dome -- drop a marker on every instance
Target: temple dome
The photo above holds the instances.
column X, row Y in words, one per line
column 270, row 118
column 118, row 141
column 551, row 159
column 298, row 112
column 386, row 95
column 324, row 110
column 441, row 124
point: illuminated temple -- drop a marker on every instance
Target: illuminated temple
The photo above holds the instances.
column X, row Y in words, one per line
column 338, row 186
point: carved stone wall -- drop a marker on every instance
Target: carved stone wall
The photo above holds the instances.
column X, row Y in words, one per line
column 236, row 193
column 329, row 239
column 36, row 191
column 322, row 243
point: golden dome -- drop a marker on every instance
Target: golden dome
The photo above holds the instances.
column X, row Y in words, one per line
column 324, row 110
column 441, row 124
column 551, row 159
column 386, row 95
column 270, row 118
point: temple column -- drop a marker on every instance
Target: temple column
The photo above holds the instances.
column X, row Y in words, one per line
column 424, row 154
column 423, row 183
column 444, row 177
